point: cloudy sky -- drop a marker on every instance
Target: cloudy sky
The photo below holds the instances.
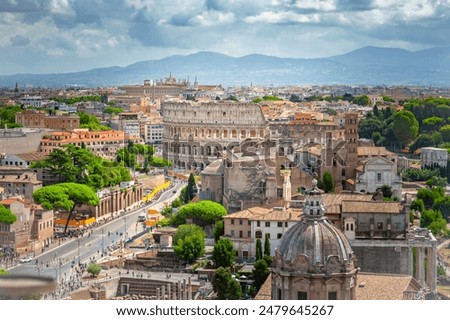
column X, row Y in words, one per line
column 46, row 36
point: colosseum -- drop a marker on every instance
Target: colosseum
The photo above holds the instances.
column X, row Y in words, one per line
column 197, row 133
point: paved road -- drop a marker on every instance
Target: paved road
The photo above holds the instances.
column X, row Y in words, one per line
column 62, row 259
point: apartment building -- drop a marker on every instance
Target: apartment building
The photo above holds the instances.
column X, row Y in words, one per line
column 102, row 143
column 19, row 183
column 243, row 228
column 40, row 119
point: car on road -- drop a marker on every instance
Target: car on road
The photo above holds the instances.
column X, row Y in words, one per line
column 25, row 259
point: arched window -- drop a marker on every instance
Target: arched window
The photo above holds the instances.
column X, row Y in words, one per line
column 258, row 235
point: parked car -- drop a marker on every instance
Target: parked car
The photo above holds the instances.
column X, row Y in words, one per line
column 25, row 259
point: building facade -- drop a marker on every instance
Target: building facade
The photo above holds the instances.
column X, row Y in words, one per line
column 376, row 172
column 14, row 238
column 19, row 183
column 102, row 143
column 197, row 133
column 40, row 119
column 431, row 157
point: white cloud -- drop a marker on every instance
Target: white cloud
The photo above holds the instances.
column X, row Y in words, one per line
column 212, row 17
column 319, row 5
column 282, row 17
column 60, row 7
column 87, row 30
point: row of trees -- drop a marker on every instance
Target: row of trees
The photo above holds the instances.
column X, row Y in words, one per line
column 421, row 123
column 78, row 164
column 361, row 100
column 389, row 127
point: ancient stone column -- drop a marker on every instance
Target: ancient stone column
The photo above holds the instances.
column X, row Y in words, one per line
column 420, row 269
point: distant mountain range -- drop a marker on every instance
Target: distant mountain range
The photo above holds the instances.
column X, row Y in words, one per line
column 365, row 66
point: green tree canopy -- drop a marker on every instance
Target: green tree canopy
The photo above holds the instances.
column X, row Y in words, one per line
column 432, row 124
column 426, row 140
column 223, row 253
column 90, row 122
column 362, row 100
column 185, row 230
column 65, row 196
column 368, row 126
column 428, row 196
column 434, row 221
column 267, row 245
column 405, row 126
column 189, row 242
column 260, row 273
column 6, row 216
column 327, row 182
column 218, row 230
column 8, row 116
column 75, row 164
column 203, row 213
column 113, row 110
column 418, row 205
column 258, row 249
column 94, row 269
column 225, row 286
column 445, row 132
column 190, row 188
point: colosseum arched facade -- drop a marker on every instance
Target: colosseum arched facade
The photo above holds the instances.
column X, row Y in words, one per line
column 197, row 133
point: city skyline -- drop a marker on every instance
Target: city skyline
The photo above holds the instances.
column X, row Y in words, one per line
column 67, row 36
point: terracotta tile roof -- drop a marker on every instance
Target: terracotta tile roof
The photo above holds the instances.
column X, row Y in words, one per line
column 332, row 202
column 372, row 151
column 9, row 201
column 32, row 156
column 371, row 286
column 371, row 207
column 264, row 292
column 269, row 214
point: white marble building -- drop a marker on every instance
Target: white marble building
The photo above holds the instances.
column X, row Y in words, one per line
column 375, row 172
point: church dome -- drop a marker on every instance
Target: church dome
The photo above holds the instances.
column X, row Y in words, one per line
column 314, row 245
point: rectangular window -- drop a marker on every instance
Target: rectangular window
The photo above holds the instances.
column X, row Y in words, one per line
column 258, row 223
column 279, row 224
column 267, row 224
column 232, row 233
column 240, row 221
column 279, row 235
column 332, row 295
column 240, row 234
column 249, row 234
column 232, row 221
column 380, row 225
column 302, row 295
column 378, row 176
